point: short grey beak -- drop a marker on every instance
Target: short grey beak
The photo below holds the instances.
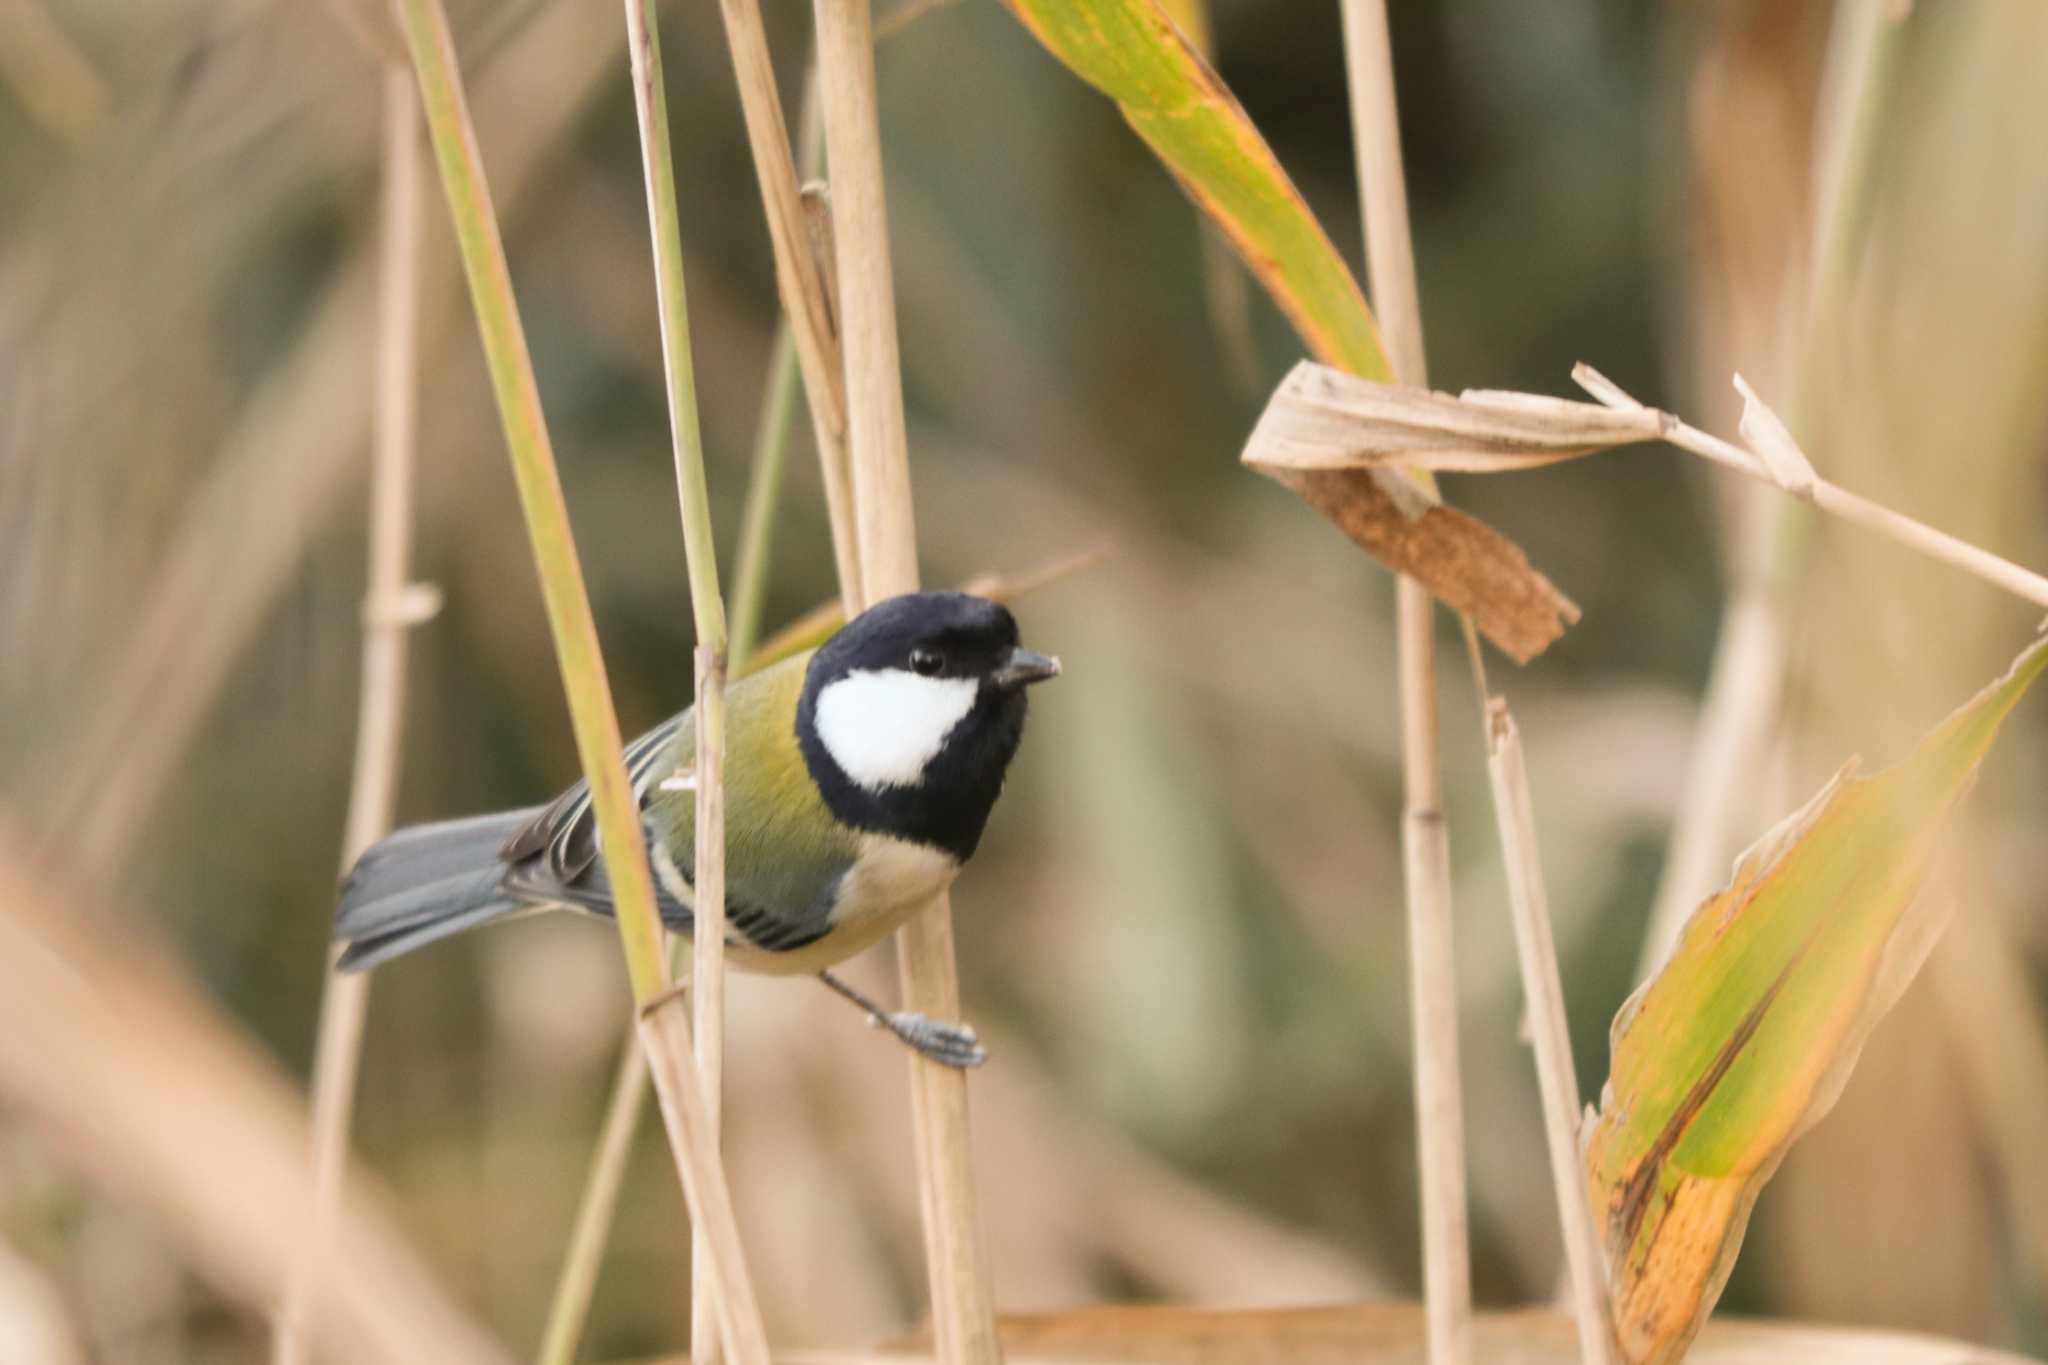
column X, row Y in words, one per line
column 1024, row 667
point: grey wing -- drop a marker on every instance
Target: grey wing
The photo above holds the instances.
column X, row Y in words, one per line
column 556, row 858
column 777, row 904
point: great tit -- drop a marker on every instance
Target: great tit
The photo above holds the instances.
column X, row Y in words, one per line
column 858, row 779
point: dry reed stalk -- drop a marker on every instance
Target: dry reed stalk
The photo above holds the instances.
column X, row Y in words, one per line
column 962, row 1302
column 807, row 300
column 1550, row 1033
column 1736, row 717
column 707, row 969
column 707, row 963
column 1433, row 983
column 904, row 15
column 595, row 1208
column 194, row 622
column 663, row 1031
column 665, row 1037
column 570, row 1306
column 55, row 82
column 144, row 1084
column 183, row 641
column 1751, row 655
column 1981, row 979
column 380, row 720
column 1772, row 456
column 764, row 492
column 585, row 1254
column 35, row 1316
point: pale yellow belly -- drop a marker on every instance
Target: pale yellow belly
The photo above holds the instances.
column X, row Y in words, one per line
column 891, row 881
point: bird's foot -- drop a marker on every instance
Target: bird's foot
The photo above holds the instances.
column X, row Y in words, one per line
column 954, row 1045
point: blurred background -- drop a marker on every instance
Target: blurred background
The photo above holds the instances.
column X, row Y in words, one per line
column 1183, row 937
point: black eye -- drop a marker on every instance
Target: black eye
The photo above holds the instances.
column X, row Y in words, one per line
column 926, row 662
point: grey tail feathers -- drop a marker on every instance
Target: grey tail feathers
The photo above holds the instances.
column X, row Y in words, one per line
column 423, row 884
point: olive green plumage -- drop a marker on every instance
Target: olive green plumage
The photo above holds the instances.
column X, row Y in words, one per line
column 858, row 778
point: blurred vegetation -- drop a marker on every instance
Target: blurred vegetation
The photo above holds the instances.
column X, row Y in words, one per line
column 1183, row 935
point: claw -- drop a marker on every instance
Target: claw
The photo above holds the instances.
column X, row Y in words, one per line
column 954, row 1045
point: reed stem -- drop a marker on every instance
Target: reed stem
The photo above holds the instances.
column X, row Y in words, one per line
column 380, row 719
column 1750, row 657
column 1550, row 1035
column 1390, row 260
column 764, row 495
column 800, row 279
column 963, row 1309
column 664, row 1032
column 599, row 1202
column 577, row 1283
column 707, row 966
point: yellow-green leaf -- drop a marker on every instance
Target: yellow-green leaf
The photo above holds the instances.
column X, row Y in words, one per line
column 1746, row 1036
column 1132, row 51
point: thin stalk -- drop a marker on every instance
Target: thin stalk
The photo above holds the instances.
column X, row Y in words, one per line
column 100, row 778
column 599, row 1202
column 799, row 276
column 963, row 1309
column 764, row 495
column 707, row 902
column 904, row 15
column 1742, row 699
column 380, row 719
column 883, row 512
column 51, row 77
column 1807, row 486
column 1550, row 1033
column 1433, row 990
column 1433, row 983
column 432, row 47
column 707, row 966
column 577, row 1282
column 160, row 1094
column 664, row 1032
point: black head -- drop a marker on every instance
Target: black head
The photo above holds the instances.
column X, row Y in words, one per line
column 911, row 713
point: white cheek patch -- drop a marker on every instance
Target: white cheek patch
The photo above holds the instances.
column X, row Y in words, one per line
column 883, row 727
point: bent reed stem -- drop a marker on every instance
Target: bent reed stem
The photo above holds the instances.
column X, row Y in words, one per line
column 380, row 720
column 707, row 966
column 1433, row 984
column 663, row 1031
column 963, row 1308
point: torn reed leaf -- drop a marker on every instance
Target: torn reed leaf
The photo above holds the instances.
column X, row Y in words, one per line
column 1746, row 1036
column 1323, row 418
column 1325, row 433
column 1132, row 52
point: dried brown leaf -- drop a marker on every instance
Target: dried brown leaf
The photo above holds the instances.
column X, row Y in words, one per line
column 1464, row 563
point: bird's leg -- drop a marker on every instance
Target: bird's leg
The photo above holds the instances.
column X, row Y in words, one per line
column 954, row 1045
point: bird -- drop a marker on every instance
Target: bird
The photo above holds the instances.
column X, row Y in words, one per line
column 859, row 777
